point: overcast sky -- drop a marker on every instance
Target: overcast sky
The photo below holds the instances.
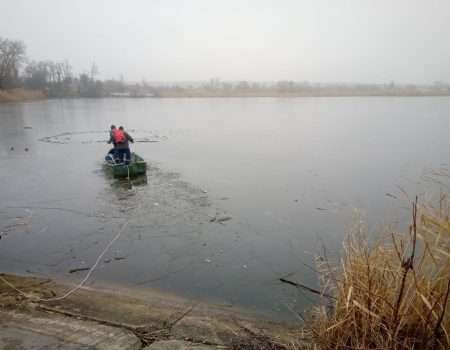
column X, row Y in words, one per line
column 406, row 41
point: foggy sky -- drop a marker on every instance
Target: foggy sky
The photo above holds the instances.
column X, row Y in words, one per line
column 406, row 41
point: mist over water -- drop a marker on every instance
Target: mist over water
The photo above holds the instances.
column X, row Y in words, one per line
column 287, row 171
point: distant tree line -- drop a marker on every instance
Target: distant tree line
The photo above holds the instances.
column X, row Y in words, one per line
column 55, row 79
column 216, row 87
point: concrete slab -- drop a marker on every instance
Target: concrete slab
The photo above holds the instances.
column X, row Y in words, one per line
column 14, row 339
column 206, row 330
column 135, row 309
column 48, row 329
column 178, row 345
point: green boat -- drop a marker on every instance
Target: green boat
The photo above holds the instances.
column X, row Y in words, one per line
column 137, row 166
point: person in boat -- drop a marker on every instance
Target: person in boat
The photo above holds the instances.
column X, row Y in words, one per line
column 113, row 151
column 121, row 138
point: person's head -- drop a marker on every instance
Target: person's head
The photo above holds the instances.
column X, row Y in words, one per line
column 120, row 127
column 113, row 127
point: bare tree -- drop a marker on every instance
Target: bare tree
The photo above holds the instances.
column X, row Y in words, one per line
column 37, row 75
column 94, row 71
column 67, row 77
column 12, row 54
column 52, row 78
column 88, row 86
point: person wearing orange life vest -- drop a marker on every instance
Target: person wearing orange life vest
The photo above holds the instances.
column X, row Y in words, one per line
column 121, row 139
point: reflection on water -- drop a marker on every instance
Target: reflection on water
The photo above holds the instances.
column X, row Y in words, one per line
column 236, row 193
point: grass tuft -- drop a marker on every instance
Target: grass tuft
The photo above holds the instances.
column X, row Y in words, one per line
column 392, row 291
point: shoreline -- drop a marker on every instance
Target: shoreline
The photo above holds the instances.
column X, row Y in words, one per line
column 22, row 95
column 199, row 94
column 139, row 313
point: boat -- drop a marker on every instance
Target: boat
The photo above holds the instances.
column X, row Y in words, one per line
column 137, row 166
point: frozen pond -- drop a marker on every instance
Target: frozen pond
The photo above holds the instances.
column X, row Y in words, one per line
column 288, row 171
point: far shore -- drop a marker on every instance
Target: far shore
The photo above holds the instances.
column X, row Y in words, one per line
column 201, row 94
column 21, row 95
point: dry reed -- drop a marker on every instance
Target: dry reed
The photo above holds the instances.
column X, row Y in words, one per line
column 19, row 94
column 392, row 291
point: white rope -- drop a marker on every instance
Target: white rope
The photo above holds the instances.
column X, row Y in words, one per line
column 88, row 274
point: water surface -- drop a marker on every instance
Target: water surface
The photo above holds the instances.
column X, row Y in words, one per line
column 289, row 171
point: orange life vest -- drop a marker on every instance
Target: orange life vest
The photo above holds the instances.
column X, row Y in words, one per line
column 119, row 136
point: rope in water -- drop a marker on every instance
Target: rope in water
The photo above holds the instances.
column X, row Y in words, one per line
column 30, row 296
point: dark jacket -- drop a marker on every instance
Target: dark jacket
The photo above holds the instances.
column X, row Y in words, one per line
column 124, row 145
column 111, row 137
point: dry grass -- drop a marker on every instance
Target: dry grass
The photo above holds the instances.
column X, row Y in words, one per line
column 20, row 95
column 391, row 292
